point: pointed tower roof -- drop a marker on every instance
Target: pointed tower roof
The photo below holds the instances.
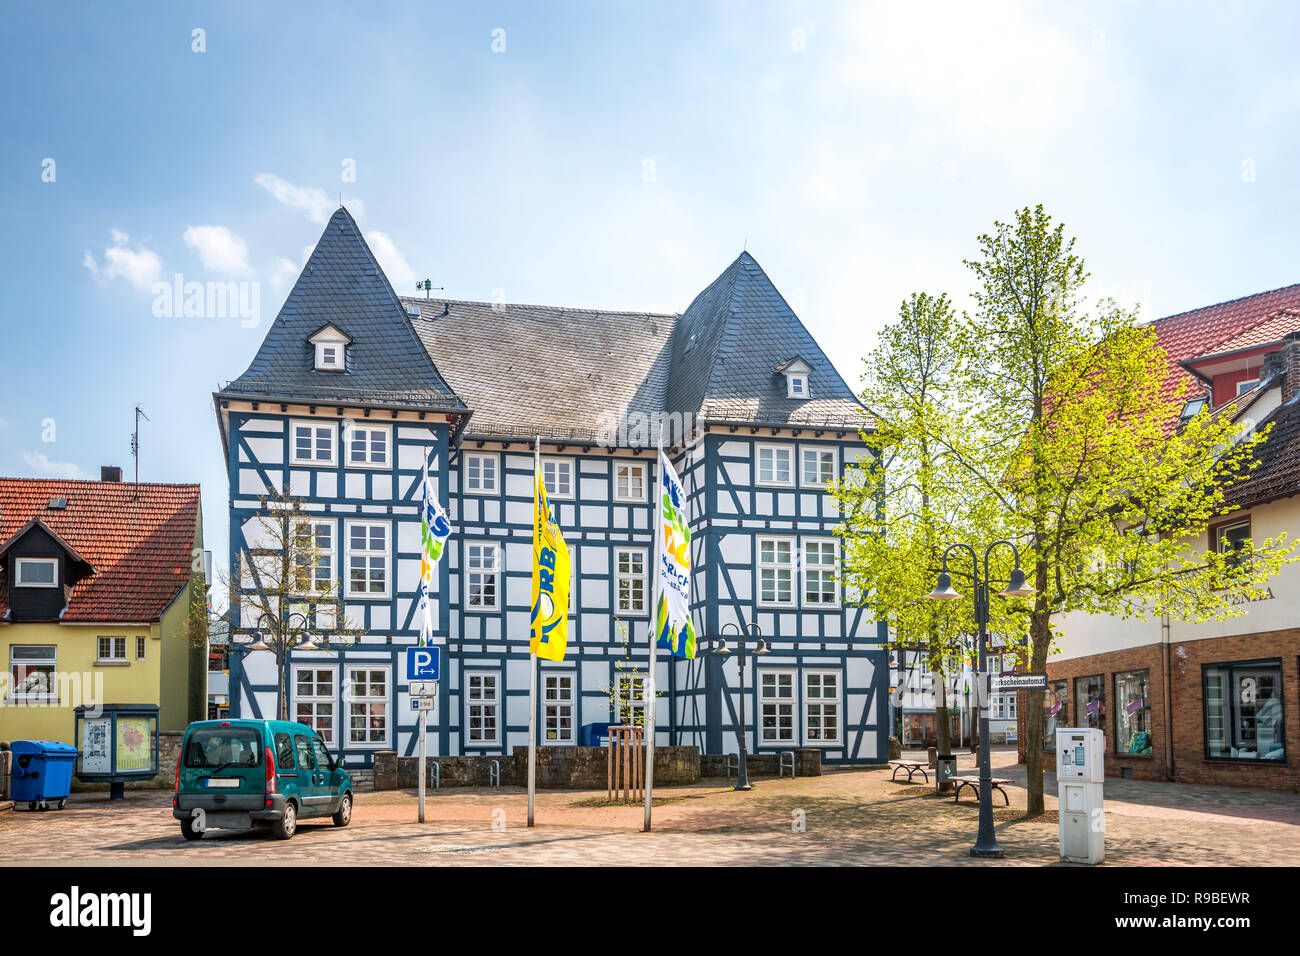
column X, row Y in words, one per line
column 343, row 286
column 729, row 350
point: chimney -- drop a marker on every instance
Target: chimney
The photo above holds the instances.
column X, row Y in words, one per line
column 1291, row 378
column 110, row 473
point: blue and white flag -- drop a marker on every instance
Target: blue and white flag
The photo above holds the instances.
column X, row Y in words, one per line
column 435, row 529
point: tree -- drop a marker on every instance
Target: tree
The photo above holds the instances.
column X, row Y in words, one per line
column 1061, row 428
column 287, row 591
column 906, row 501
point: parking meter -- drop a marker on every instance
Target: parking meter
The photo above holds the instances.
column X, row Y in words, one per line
column 1080, row 775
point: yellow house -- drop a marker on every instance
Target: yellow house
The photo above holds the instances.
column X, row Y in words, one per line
column 98, row 582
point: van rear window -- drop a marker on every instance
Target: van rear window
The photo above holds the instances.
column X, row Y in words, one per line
column 223, row 747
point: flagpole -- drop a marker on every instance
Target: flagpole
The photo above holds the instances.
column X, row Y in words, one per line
column 532, row 656
column 649, row 723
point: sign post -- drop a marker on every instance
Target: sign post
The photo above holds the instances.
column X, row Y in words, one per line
column 423, row 668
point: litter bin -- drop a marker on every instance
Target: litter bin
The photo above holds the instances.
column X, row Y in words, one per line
column 595, row 735
column 944, row 768
column 42, row 772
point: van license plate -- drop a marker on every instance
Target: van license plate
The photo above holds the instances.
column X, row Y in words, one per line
column 222, row 783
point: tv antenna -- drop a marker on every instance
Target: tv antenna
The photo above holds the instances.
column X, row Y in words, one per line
column 135, row 445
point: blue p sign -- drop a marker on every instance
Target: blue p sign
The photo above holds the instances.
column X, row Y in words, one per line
column 423, row 663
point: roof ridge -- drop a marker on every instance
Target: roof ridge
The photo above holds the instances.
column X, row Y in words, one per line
column 109, row 484
column 536, row 305
column 1215, row 305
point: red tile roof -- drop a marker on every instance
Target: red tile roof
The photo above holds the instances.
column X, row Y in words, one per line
column 138, row 538
column 1201, row 331
column 1266, row 332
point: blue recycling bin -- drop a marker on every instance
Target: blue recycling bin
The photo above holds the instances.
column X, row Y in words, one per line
column 41, row 773
column 595, row 735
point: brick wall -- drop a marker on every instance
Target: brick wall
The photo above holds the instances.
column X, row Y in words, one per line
column 1184, row 667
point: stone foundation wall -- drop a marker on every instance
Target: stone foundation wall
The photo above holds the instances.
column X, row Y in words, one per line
column 807, row 763
column 558, row 768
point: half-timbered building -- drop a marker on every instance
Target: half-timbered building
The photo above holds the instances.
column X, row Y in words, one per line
column 356, row 391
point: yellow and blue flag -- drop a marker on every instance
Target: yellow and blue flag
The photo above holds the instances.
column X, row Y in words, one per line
column 550, row 622
column 435, row 529
column 673, row 624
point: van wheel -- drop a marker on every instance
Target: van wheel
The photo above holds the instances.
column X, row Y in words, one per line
column 287, row 825
column 344, row 815
column 189, row 832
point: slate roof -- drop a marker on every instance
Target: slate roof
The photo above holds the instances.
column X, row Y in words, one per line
column 561, row 373
column 729, row 345
column 137, row 537
column 342, row 285
column 1199, row 332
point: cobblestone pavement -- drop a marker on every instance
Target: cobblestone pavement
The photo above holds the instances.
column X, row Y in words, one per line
column 851, row 818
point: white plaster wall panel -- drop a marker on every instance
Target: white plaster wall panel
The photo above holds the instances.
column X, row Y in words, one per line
column 808, row 505
column 410, row 457
column 250, row 482
column 519, row 591
column 595, row 595
column 724, row 504
column 354, row 485
column 492, row 628
column 597, row 488
column 519, row 512
column 264, row 425
column 408, row 537
column 518, row 626
column 327, row 485
column 785, row 505
column 595, row 628
column 260, row 667
column 266, row 450
column 473, row 510
column 594, row 515
column 408, row 575
column 735, row 549
column 491, row 511
column 830, row 507
column 763, row 503
column 382, row 486
column 520, row 486
column 519, row 557
column 833, row 625
column 809, row 625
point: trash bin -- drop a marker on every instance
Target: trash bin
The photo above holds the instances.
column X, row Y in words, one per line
column 42, row 773
column 944, row 768
column 595, row 735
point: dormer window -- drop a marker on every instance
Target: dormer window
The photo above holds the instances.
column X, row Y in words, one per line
column 331, row 349
column 796, row 372
column 36, row 572
column 1192, row 408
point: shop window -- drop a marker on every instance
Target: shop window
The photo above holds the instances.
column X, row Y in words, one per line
column 1243, row 711
column 1133, row 713
column 1055, row 711
column 1088, row 704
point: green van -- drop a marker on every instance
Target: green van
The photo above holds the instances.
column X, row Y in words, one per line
column 239, row 774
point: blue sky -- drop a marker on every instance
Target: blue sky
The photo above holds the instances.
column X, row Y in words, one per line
column 611, row 155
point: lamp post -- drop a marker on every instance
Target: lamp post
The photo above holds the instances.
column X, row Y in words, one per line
column 986, row 842
column 762, row 647
column 281, row 647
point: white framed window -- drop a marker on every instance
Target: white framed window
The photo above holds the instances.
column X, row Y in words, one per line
column 817, row 467
column 630, row 580
column 367, row 558
column 315, row 699
column 1246, row 386
column 330, row 357
column 139, row 647
column 629, row 481
column 558, row 475
column 365, row 699
column 313, row 443
column 482, row 708
column 820, row 562
column 776, row 465
column 557, row 708
column 1004, row 706
column 482, row 576
column 821, row 707
column 796, row 385
column 776, row 572
column 36, row 572
column 32, row 669
column 368, row 446
column 776, row 706
column 110, row 650
column 631, row 698
column 315, row 553
column 482, row 473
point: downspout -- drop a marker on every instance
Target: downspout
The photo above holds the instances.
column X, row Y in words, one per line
column 1165, row 631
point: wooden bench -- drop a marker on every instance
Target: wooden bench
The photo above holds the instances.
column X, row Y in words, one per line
column 973, row 781
column 912, row 767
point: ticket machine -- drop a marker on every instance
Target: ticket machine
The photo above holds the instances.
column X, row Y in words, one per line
column 1080, row 773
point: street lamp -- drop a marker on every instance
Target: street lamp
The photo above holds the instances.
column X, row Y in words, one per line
column 986, row 843
column 761, row 647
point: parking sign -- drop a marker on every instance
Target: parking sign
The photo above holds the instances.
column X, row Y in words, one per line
column 423, row 663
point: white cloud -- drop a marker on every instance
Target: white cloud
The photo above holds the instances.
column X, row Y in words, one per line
column 315, row 202
column 283, row 273
column 45, row 468
column 219, row 249
column 392, row 262
column 139, row 266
